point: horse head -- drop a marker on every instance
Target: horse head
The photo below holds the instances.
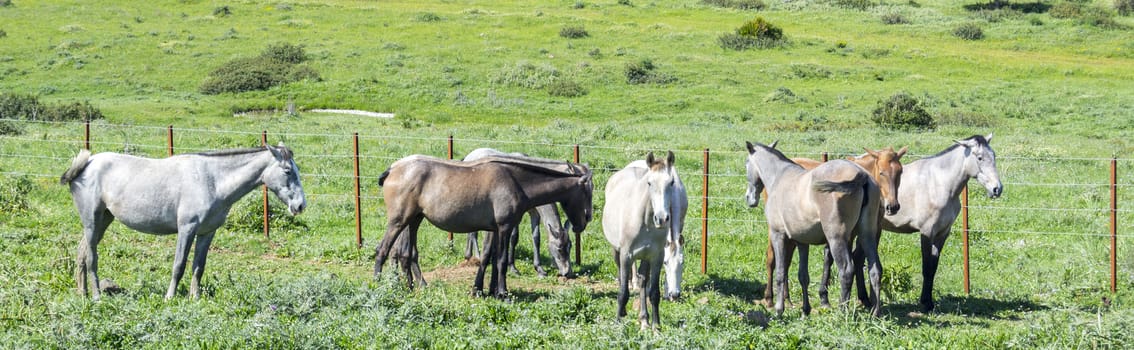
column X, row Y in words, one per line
column 980, row 162
column 659, row 181
column 674, row 264
column 579, row 206
column 887, row 170
column 755, row 182
column 561, row 252
column 282, row 178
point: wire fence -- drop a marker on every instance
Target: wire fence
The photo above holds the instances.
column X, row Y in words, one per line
column 715, row 179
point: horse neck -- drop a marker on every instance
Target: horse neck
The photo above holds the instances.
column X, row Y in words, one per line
column 869, row 163
column 550, row 216
column 951, row 166
column 774, row 168
column 544, row 188
column 238, row 174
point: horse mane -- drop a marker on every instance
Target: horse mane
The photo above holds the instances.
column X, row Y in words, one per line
column 775, row 152
column 286, row 152
column 978, row 138
column 546, row 166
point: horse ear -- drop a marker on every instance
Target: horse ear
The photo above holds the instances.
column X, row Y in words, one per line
column 871, row 152
column 988, row 138
column 751, row 148
column 669, row 158
column 773, row 145
column 901, row 152
column 275, row 152
column 650, row 159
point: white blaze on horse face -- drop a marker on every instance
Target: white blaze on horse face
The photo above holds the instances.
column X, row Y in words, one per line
column 674, row 264
column 660, row 182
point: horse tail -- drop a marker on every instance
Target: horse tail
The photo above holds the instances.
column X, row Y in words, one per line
column 77, row 166
column 382, row 178
column 857, row 183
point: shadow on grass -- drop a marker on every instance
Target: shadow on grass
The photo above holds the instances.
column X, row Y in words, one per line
column 976, row 310
column 744, row 289
column 1030, row 7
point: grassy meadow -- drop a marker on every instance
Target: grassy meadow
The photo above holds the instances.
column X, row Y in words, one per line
column 1055, row 89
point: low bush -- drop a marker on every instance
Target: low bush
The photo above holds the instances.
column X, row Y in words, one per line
column 1124, row 7
column 28, row 107
column 757, row 33
column 902, row 112
column 14, row 194
column 573, row 32
column 566, row 88
column 894, row 18
column 10, row 128
column 644, row 72
column 526, row 75
column 277, row 65
column 737, row 4
column 1065, row 10
column 854, row 4
column 968, row 31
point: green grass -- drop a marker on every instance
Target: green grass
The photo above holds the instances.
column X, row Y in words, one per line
column 1055, row 94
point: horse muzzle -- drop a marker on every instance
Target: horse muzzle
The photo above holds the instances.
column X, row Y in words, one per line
column 892, row 209
column 996, row 192
column 674, row 296
column 296, row 209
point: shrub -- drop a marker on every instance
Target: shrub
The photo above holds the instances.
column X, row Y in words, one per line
column 573, row 32
column 284, row 52
column 427, row 17
column 566, row 88
column 737, row 4
column 527, row 75
column 902, row 112
column 968, row 31
column 1064, row 10
column 1124, row 7
column 781, row 94
column 28, row 107
column 761, row 29
column 854, row 4
column 10, row 128
column 222, row 11
column 14, row 194
column 643, row 72
column 894, row 18
column 5, row 3
column 3, row 33
column 277, row 65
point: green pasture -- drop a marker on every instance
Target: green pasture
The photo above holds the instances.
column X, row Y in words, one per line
column 1055, row 91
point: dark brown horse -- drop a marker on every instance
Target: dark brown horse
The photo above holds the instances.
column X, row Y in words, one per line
column 491, row 194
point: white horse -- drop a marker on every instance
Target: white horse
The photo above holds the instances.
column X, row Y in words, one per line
column 930, row 191
column 558, row 240
column 642, row 220
column 188, row 194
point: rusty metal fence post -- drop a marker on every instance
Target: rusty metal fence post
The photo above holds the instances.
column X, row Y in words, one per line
column 1114, row 225
column 578, row 235
column 87, row 135
column 170, row 140
column 450, row 158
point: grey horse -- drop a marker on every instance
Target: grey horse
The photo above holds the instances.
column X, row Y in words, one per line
column 930, row 197
column 188, row 194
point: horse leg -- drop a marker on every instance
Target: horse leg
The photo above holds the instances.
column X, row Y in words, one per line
column 471, row 245
column 825, row 281
column 783, row 250
column 651, row 294
column 535, row 243
column 858, row 258
column 394, row 226
column 770, row 263
column 487, row 254
column 200, row 251
column 840, row 252
column 503, row 260
column 930, row 256
column 185, row 236
column 804, row 278
column 869, row 244
column 513, row 238
column 86, row 262
column 625, row 267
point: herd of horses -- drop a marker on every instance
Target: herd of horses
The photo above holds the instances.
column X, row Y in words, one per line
column 844, row 205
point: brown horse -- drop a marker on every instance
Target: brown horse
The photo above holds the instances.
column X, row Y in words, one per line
column 833, row 204
column 490, row 194
column 885, row 167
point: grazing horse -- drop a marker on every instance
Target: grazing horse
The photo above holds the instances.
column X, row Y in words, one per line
column 833, row 204
column 491, row 194
column 642, row 220
column 188, row 194
column 931, row 188
column 558, row 239
column 885, row 167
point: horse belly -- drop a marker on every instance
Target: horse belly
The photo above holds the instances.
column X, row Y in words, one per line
column 155, row 219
